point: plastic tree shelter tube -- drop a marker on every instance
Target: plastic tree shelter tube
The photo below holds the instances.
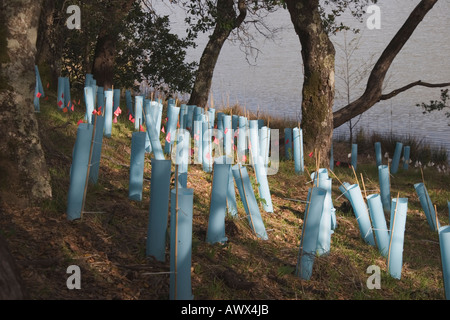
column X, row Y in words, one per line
column 378, row 156
column 396, row 157
column 108, row 112
column 218, row 204
column 379, row 223
column 362, row 214
column 137, row 159
column 181, row 206
column 394, row 263
column 310, row 232
column 288, row 143
column 427, row 205
column 385, row 187
column 97, row 149
column 444, row 243
column 78, row 171
column 248, row 198
column 158, row 208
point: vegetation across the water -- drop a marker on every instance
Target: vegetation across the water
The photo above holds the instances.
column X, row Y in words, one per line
column 108, row 243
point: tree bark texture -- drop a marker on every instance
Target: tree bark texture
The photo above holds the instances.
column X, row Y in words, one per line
column 20, row 147
column 227, row 21
column 11, row 287
column 49, row 43
column 105, row 50
column 318, row 56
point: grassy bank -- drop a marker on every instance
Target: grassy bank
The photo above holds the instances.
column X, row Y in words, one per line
column 109, row 243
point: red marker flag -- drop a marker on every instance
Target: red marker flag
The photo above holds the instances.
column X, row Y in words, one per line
column 162, row 130
column 115, row 120
column 38, row 95
column 226, row 130
column 48, row 85
column 65, row 110
column 79, row 122
column 141, row 128
column 338, row 163
column 60, row 103
column 168, row 137
column 311, row 154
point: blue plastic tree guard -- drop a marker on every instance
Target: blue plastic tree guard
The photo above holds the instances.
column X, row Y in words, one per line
column 158, row 208
column 310, row 232
column 137, row 159
column 218, row 204
column 248, row 198
column 181, row 244
column 78, row 170
column 397, row 234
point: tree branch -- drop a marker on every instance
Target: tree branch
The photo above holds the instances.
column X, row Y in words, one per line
column 373, row 92
column 411, row 85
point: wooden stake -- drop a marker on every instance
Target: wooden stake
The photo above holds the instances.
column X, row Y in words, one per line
column 437, row 219
column 176, row 229
column 364, row 186
column 356, row 177
column 338, row 179
column 392, row 231
column 89, row 165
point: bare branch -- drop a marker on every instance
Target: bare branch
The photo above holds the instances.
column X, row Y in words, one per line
column 411, row 85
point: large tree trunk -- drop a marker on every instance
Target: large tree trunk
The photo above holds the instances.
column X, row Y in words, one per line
column 49, row 41
column 373, row 92
column 20, row 146
column 22, row 163
column 227, row 21
column 318, row 55
column 105, row 55
column 11, row 287
column 105, row 50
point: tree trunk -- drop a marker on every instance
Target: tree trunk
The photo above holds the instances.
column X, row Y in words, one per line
column 318, row 55
column 22, row 163
column 105, row 54
column 11, row 287
column 226, row 17
column 105, row 50
column 373, row 92
column 20, row 146
column 49, row 41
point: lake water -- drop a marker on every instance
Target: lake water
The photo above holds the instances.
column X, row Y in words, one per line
column 272, row 83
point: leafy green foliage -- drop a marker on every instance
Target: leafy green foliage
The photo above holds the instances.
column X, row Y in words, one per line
column 149, row 51
column 146, row 49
